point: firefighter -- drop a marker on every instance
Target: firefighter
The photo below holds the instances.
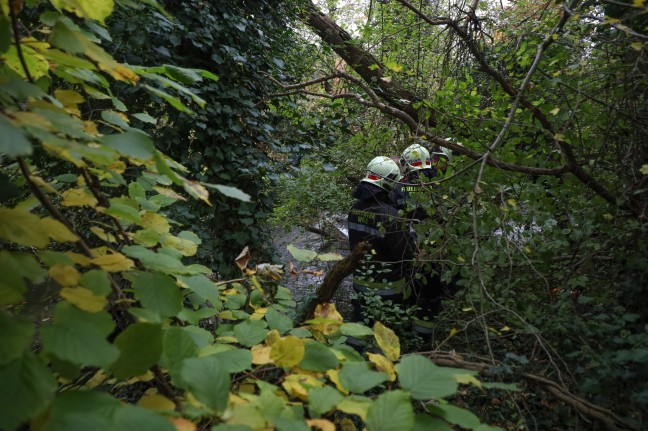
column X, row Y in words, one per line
column 374, row 218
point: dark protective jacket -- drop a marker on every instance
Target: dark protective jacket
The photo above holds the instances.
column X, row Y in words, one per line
column 374, row 218
column 410, row 196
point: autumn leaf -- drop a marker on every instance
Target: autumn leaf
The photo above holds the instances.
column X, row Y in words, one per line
column 84, row 299
column 243, row 258
column 65, row 275
column 114, row 262
column 383, row 364
column 387, row 341
column 287, row 352
column 78, row 198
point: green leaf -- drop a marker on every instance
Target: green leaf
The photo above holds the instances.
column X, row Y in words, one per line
column 81, row 411
column 15, row 268
column 424, row 380
column 97, row 10
column 26, row 390
column 235, row 360
column 322, row 400
column 178, row 345
column 159, row 261
column 425, row 422
column 231, row 192
column 207, row 379
column 5, row 34
column 132, row 418
column 171, row 100
column 455, row 415
column 358, row 377
column 391, row 411
column 203, row 287
column 318, row 357
column 144, row 117
column 250, row 332
column 123, row 212
column 97, row 281
column 301, row 254
column 140, row 348
column 499, row 385
column 80, row 337
column 158, row 293
column 15, row 337
column 131, row 144
column 356, row 330
column 13, row 141
column 278, row 320
column 329, row 257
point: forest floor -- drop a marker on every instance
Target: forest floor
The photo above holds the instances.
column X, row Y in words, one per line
column 306, row 278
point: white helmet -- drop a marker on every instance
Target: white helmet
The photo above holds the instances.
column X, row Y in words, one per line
column 441, row 158
column 383, row 172
column 415, row 157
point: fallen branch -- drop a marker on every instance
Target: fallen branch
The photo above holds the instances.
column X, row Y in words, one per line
column 612, row 421
column 339, row 272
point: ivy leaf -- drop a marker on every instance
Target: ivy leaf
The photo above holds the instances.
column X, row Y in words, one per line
column 358, row 377
column 208, row 381
column 391, row 411
column 140, row 348
column 26, row 390
column 424, row 380
column 158, row 293
column 13, row 142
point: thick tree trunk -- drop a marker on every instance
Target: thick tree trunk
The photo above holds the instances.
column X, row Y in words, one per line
column 367, row 66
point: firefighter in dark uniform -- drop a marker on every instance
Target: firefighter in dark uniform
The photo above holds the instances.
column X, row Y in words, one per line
column 374, row 218
column 412, row 196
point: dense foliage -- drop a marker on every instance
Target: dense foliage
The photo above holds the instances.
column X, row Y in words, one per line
column 122, row 306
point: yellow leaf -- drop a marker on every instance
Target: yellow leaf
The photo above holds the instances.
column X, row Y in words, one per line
column 512, row 202
column 608, row 216
column 106, row 236
column 644, row 169
column 65, row 275
column 153, row 401
column 454, row 331
column 84, row 299
column 184, row 246
column 90, row 127
column 97, row 10
column 322, row 424
column 169, row 193
column 505, row 329
column 79, row 259
column 637, row 46
column 78, row 198
column 37, row 65
column 334, row 376
column 327, row 319
column 638, row 3
column 182, row 424
column 42, row 183
column 31, row 119
column 227, row 315
column 383, row 364
column 259, row 313
column 96, row 380
column 196, row 190
column 123, row 73
column 155, row 222
column 287, row 352
column 22, row 227
column 355, row 407
column 387, row 341
column 554, row 111
column 559, row 137
column 298, row 385
column 57, row 230
column 69, row 98
column 272, row 337
column 261, row 354
column 467, row 379
column 114, row 262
